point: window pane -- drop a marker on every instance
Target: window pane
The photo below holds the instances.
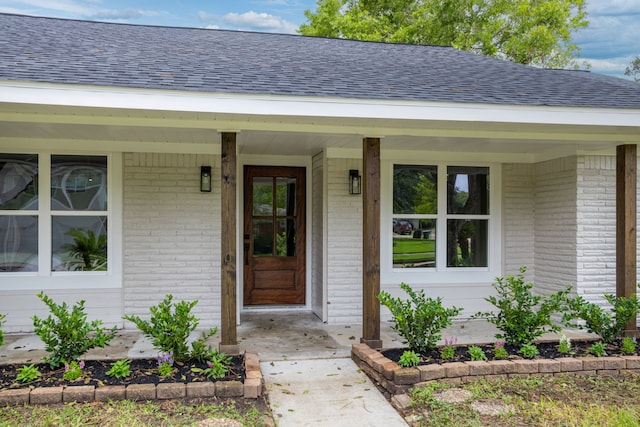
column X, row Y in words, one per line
column 467, row 243
column 19, row 243
column 416, row 249
column 79, row 183
column 262, row 196
column 468, row 190
column 262, row 237
column 286, row 237
column 18, row 181
column 79, row 243
column 286, row 196
column 415, row 189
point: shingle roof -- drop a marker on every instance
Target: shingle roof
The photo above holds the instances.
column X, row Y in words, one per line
column 105, row 54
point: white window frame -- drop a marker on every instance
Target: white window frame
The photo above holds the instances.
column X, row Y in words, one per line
column 441, row 274
column 44, row 278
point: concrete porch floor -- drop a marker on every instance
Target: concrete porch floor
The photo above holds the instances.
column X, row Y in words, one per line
column 297, row 335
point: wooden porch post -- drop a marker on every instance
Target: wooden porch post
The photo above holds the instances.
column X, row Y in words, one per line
column 229, row 339
column 626, row 175
column 371, row 243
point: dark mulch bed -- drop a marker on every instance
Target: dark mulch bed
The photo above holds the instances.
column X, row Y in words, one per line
column 547, row 350
column 143, row 371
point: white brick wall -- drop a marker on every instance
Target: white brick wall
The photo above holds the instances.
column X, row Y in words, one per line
column 596, row 232
column 555, row 224
column 518, row 206
column 344, row 240
column 172, row 233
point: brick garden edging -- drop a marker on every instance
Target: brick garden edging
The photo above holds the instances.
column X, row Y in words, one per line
column 396, row 380
column 251, row 389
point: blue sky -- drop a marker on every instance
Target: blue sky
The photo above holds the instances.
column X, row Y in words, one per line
column 609, row 44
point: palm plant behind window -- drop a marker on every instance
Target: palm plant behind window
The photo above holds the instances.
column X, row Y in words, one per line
column 88, row 252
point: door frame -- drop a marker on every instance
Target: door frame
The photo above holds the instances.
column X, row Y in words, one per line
column 264, row 160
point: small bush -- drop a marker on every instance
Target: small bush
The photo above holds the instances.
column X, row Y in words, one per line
column 67, row 334
column 218, row 365
column 628, row 345
column 165, row 364
column 73, row 370
column 499, row 351
column 608, row 324
column 529, row 351
column 598, row 349
column 564, row 346
column 476, row 354
column 409, row 359
column 120, row 369
column 28, row 373
column 170, row 326
column 2, row 322
column 419, row 320
column 448, row 351
column 522, row 316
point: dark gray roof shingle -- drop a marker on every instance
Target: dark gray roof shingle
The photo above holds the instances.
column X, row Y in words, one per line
column 92, row 53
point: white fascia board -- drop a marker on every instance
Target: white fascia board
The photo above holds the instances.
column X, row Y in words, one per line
column 305, row 106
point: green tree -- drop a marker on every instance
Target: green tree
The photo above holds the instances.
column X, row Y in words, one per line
column 535, row 32
column 633, row 69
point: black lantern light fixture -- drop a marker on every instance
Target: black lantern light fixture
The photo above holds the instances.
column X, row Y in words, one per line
column 355, row 182
column 205, row 179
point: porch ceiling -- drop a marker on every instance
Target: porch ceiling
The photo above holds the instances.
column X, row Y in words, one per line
column 167, row 131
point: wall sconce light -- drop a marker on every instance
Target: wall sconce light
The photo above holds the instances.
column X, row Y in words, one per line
column 205, row 179
column 355, row 182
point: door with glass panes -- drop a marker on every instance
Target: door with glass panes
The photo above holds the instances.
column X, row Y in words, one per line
column 274, row 235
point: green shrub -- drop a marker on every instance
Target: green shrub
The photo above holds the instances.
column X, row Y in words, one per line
column 598, row 349
column 120, row 369
column 628, row 345
column 522, row 316
column 28, row 373
column 530, row 351
column 67, row 335
column 2, row 322
column 476, row 354
column 608, row 324
column 170, row 326
column 409, row 359
column 419, row 320
column 499, row 351
column 564, row 346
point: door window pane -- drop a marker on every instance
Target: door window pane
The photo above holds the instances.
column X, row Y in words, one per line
column 79, row 183
column 415, row 189
column 262, row 237
column 417, row 248
column 262, row 196
column 18, row 181
column 285, row 196
column 468, row 190
column 18, row 243
column 467, row 243
column 286, row 237
column 79, row 243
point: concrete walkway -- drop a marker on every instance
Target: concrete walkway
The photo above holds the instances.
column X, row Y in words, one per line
column 306, row 364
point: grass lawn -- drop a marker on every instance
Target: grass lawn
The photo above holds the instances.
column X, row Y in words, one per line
column 132, row 414
column 569, row 401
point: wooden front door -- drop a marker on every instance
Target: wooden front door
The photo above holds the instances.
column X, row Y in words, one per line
column 274, row 235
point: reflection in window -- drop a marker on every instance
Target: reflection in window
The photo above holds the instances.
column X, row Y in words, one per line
column 19, row 244
column 416, row 249
column 262, row 196
column 79, row 243
column 79, row 183
column 467, row 243
column 262, row 237
column 468, row 190
column 415, row 189
column 18, row 181
column 286, row 237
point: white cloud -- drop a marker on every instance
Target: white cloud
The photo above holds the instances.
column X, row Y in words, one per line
column 66, row 6
column 248, row 21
